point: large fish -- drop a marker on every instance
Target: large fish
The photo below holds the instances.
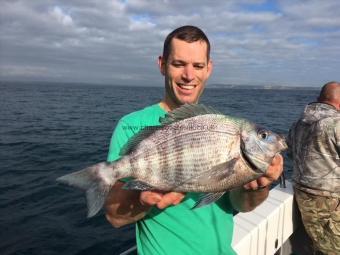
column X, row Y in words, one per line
column 196, row 149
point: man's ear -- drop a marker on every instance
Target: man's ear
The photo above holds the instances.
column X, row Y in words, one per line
column 161, row 65
column 210, row 67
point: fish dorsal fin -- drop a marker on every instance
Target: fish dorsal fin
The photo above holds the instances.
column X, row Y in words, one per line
column 184, row 112
column 187, row 111
column 137, row 138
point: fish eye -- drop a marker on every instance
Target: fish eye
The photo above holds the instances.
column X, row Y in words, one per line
column 263, row 134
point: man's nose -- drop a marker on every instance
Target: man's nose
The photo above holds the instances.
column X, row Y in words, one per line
column 189, row 73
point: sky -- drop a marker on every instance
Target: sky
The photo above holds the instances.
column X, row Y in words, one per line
column 117, row 42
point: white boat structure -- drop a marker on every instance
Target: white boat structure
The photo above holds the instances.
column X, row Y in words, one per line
column 265, row 229
column 271, row 228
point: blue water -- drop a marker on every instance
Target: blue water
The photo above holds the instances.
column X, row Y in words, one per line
column 48, row 130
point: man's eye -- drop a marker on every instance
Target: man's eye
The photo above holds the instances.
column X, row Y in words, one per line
column 199, row 67
column 177, row 65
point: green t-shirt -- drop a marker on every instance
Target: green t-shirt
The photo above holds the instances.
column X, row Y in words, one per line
column 176, row 229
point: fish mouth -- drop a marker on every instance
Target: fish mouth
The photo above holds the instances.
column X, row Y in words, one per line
column 250, row 163
column 283, row 143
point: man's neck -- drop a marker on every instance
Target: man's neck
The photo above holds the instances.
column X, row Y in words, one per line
column 336, row 105
column 167, row 105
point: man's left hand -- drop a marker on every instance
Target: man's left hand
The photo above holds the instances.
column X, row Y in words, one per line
column 273, row 173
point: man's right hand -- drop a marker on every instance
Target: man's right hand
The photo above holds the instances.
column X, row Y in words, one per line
column 123, row 207
column 160, row 199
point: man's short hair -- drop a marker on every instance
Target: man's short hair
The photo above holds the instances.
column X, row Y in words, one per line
column 188, row 34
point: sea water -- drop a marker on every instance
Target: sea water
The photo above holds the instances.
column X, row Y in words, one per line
column 48, row 130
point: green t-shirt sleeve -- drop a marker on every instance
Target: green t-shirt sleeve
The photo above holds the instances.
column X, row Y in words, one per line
column 121, row 135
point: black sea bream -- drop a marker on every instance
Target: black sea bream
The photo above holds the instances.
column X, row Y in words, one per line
column 196, row 149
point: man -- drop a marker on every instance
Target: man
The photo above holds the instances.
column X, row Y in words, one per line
column 314, row 142
column 166, row 224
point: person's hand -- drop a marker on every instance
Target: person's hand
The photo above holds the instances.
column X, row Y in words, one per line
column 273, row 173
column 159, row 199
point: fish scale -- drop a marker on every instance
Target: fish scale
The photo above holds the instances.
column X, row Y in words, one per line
column 176, row 149
column 196, row 149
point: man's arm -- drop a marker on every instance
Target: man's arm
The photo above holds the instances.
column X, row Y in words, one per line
column 252, row 194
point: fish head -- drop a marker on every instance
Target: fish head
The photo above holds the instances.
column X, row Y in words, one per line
column 260, row 145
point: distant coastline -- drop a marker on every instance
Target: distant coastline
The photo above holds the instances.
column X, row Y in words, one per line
column 269, row 87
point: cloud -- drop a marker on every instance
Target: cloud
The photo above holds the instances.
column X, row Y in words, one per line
column 141, row 23
column 60, row 16
column 118, row 41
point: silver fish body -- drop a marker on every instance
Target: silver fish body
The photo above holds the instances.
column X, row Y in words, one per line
column 195, row 154
column 195, row 150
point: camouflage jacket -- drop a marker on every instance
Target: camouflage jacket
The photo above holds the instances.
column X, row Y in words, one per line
column 314, row 146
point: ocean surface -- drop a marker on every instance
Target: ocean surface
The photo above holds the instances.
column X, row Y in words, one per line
column 48, row 130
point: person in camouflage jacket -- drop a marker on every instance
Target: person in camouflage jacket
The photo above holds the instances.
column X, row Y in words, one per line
column 314, row 146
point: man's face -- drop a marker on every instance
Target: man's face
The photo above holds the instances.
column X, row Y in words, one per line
column 186, row 72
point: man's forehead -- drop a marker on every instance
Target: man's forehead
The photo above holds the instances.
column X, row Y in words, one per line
column 175, row 42
column 182, row 50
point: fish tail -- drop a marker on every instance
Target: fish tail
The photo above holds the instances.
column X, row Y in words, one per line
column 96, row 180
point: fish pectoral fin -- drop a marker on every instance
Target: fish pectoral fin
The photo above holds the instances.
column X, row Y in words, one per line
column 137, row 185
column 207, row 199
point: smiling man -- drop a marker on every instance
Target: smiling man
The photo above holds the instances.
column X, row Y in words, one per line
column 186, row 66
column 165, row 222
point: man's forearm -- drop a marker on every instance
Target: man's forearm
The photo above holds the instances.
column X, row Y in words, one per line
column 123, row 206
column 246, row 200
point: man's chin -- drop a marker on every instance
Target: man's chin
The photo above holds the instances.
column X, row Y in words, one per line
column 189, row 101
column 183, row 102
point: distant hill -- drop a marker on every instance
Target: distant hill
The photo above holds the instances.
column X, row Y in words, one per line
column 276, row 87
